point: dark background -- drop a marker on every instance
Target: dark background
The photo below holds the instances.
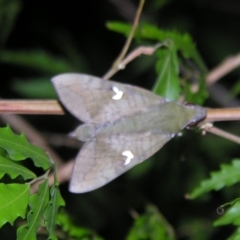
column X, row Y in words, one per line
column 75, row 31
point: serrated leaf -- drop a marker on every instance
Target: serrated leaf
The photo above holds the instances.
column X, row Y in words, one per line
column 13, row 202
column 19, row 148
column 37, row 203
column 231, row 216
column 183, row 44
column 151, row 225
column 227, row 176
column 14, row 170
column 51, row 212
column 183, row 41
column 168, row 82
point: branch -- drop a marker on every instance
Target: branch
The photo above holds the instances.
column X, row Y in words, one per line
column 64, row 174
column 224, row 68
column 146, row 50
column 210, row 128
column 222, row 114
column 31, row 107
column 117, row 62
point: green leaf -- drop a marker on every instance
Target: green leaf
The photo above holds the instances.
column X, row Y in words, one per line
column 34, row 88
column 14, row 170
column 51, row 212
column 168, row 82
column 75, row 231
column 37, row 203
column 231, row 216
column 19, row 148
column 200, row 95
column 227, row 176
column 119, row 27
column 38, row 60
column 235, row 90
column 13, row 202
column 183, row 41
column 8, row 13
column 151, row 225
column 183, row 44
column 235, row 235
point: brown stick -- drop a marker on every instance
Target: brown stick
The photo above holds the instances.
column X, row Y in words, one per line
column 224, row 68
column 31, row 107
column 222, row 114
column 222, row 133
column 53, row 107
column 145, row 50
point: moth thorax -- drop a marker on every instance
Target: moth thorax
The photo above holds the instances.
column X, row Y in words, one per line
column 84, row 132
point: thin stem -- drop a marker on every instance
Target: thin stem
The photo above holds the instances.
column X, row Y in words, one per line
column 224, row 68
column 146, row 50
column 31, row 107
column 40, row 178
column 115, row 66
column 223, row 134
column 64, row 174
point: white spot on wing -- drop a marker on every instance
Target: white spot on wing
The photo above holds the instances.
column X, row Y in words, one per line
column 129, row 156
column 118, row 94
column 179, row 134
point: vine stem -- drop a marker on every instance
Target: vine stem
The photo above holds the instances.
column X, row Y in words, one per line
column 228, row 65
column 40, row 178
column 117, row 63
column 31, row 107
column 221, row 133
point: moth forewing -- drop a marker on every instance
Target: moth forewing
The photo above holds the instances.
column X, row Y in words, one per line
column 94, row 100
column 124, row 125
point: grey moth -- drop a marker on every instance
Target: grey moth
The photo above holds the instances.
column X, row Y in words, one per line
column 123, row 125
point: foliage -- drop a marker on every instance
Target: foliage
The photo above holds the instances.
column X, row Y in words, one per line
column 227, row 176
column 15, row 197
column 74, row 231
column 168, row 82
column 45, row 43
column 151, row 225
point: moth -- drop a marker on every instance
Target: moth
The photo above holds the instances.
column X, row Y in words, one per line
column 123, row 125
